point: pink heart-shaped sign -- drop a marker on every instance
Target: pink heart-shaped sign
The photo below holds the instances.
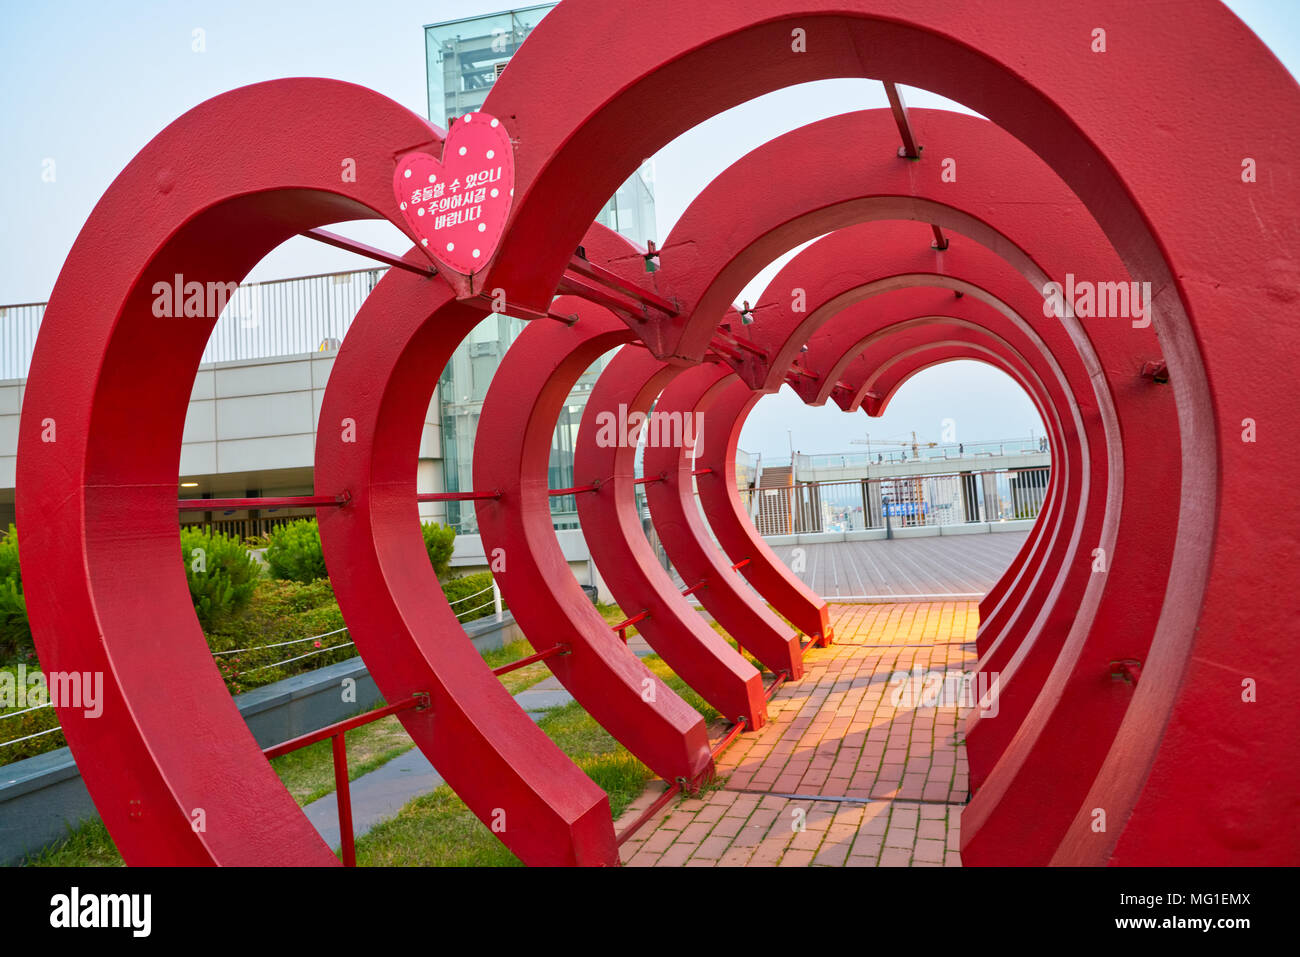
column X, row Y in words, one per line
column 458, row 208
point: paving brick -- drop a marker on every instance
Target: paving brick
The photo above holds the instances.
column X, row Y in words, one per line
column 836, row 733
column 796, row 858
column 928, row 851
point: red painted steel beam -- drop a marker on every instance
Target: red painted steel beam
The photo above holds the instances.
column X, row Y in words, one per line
column 606, row 445
column 735, row 533
column 1145, row 415
column 850, row 244
column 1158, row 205
column 512, row 451
column 827, row 290
column 114, row 380
column 687, row 540
column 481, row 742
column 1045, row 579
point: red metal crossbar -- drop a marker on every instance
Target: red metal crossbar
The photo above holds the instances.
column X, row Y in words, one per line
column 560, row 649
column 613, row 281
column 663, row 799
column 573, row 491
column 317, row 501
column 370, row 252
column 288, row 501
column 342, row 785
column 454, row 496
column 623, row 626
column 779, row 680
column 648, row 813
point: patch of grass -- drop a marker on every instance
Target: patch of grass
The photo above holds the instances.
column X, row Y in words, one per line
column 438, row 830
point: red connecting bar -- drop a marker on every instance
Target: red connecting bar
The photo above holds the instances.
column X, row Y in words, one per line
column 573, row 491
column 370, row 252
column 288, row 501
column 317, row 501
column 663, row 799
column 610, row 280
column 776, row 684
column 560, row 649
column 454, row 496
column 623, row 626
column 342, row 786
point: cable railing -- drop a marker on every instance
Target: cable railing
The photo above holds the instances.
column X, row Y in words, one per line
column 899, row 502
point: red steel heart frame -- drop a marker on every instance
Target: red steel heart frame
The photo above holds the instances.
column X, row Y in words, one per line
column 1190, row 592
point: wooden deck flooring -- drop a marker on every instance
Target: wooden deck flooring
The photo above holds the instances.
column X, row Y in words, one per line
column 942, row 566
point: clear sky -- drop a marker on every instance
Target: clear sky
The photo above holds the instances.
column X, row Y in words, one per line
column 87, row 84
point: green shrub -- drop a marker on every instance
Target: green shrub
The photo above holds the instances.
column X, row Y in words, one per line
column 9, row 556
column 220, row 572
column 439, row 541
column 16, row 726
column 293, row 552
column 466, row 603
column 15, row 633
column 280, row 611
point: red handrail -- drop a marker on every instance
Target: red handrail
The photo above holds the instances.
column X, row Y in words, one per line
column 336, row 732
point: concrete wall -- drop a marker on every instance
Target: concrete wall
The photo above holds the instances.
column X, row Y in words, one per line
column 250, row 424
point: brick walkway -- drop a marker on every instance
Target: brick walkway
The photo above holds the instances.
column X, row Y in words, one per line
column 839, row 776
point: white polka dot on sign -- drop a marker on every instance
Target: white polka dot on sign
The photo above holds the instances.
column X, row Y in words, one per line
column 433, row 177
column 463, row 151
column 494, row 124
column 482, row 227
column 403, row 206
column 477, row 254
column 451, row 247
column 420, row 211
column 496, row 193
column 467, row 117
column 491, row 153
column 424, row 242
column 407, row 174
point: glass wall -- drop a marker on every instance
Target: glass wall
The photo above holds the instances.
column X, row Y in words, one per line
column 464, row 58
